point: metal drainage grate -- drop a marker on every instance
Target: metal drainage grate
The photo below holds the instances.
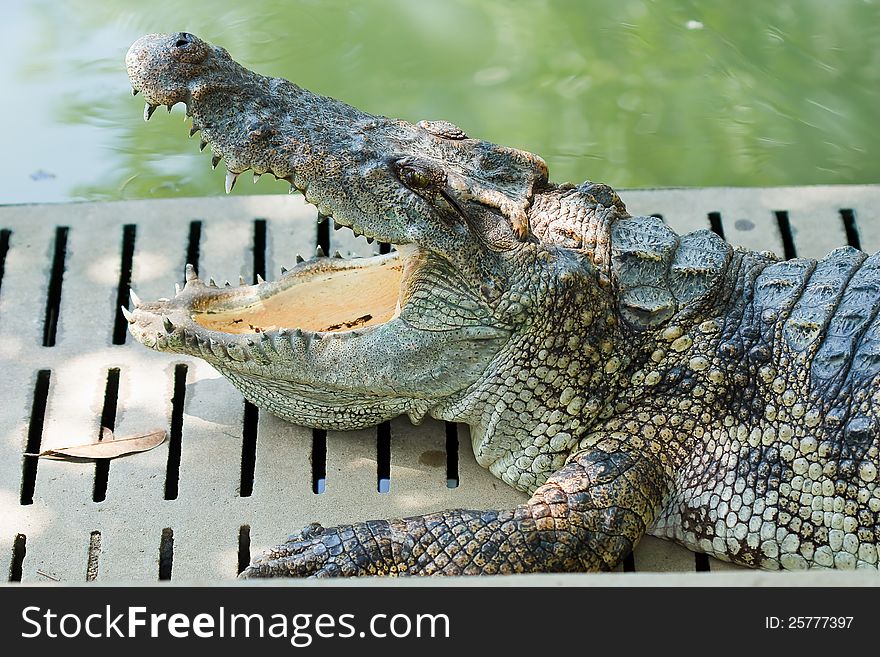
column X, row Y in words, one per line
column 231, row 481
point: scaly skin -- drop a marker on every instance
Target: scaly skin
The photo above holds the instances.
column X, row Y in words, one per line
column 632, row 380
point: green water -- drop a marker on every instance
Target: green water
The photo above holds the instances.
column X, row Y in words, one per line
column 629, row 92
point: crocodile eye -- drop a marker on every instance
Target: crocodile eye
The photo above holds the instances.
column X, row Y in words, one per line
column 416, row 177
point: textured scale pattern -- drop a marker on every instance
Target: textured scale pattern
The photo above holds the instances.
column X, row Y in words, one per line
column 787, row 476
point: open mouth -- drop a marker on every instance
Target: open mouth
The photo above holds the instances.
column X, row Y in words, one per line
column 326, row 295
column 318, row 296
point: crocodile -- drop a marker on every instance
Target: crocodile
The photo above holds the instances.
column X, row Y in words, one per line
column 631, row 380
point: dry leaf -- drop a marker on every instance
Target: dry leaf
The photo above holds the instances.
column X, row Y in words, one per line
column 108, row 448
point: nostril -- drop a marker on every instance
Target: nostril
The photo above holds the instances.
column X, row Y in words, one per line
column 183, row 39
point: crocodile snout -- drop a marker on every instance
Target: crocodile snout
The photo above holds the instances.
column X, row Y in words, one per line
column 162, row 66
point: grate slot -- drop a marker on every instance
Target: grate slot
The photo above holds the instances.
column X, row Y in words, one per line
column 251, row 420
column 319, row 461
column 259, row 248
column 629, row 563
column 193, row 244
column 701, row 562
column 383, row 457
column 847, row 215
column 172, row 471
column 5, row 237
column 108, row 419
column 56, row 279
column 785, row 233
column 384, row 247
column 166, row 554
column 715, row 224
column 35, row 436
column 249, row 449
column 324, row 233
column 94, row 554
column 452, row 479
column 244, row 547
column 120, row 325
column 657, row 215
column 19, row 551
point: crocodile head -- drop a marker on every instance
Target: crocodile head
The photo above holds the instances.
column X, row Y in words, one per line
column 347, row 343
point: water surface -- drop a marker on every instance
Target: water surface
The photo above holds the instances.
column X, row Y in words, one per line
column 629, row 92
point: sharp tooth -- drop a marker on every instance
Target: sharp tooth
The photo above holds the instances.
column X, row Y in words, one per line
column 241, row 280
column 319, row 252
column 127, row 314
column 167, row 323
column 256, row 177
column 134, row 92
column 215, row 161
column 260, row 280
column 203, row 144
column 230, row 180
column 191, row 273
column 283, row 270
column 369, row 240
column 211, row 282
column 336, row 226
column 176, row 289
column 337, row 254
column 299, row 258
column 148, row 111
column 227, row 284
column 216, row 348
column 135, row 300
column 193, row 130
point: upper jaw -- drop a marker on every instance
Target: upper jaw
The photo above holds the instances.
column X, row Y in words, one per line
column 339, row 157
column 269, row 126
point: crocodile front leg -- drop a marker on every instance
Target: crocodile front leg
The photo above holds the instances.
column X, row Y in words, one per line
column 587, row 517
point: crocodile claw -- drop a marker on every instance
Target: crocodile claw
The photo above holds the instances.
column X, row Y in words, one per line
column 314, row 552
